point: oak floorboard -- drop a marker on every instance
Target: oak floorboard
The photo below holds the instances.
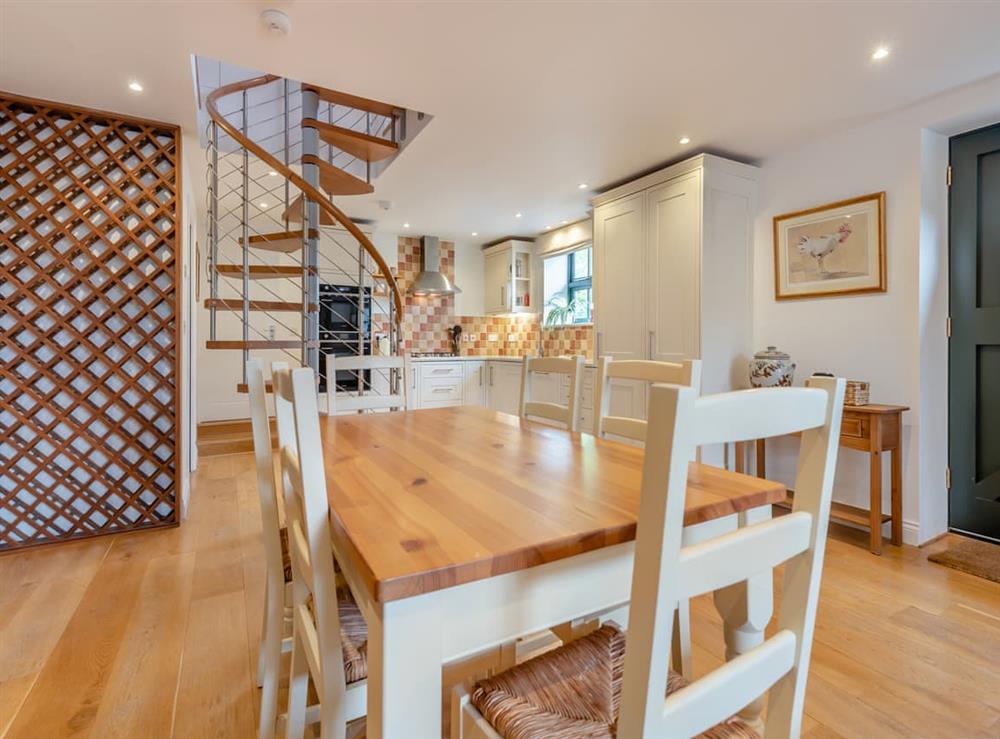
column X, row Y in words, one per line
column 123, row 635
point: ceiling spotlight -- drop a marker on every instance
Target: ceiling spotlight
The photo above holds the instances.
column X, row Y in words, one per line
column 135, row 86
column 565, row 222
column 475, row 233
column 406, row 225
column 272, row 173
column 583, row 186
column 548, row 228
column 684, row 140
column 263, row 205
column 517, row 215
column 880, row 53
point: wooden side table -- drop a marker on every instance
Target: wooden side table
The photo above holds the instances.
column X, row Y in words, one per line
column 867, row 428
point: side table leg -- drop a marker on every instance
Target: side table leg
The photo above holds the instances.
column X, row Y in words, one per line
column 875, row 512
column 897, row 497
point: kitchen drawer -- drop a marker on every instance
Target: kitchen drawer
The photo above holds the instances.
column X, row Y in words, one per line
column 434, row 370
column 437, row 390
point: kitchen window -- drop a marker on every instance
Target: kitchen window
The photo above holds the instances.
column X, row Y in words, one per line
column 568, row 288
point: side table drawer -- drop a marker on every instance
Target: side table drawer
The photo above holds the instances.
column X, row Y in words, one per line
column 855, row 426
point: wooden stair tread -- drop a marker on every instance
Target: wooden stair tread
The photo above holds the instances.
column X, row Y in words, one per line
column 364, row 146
column 286, row 242
column 259, row 271
column 336, row 181
column 841, row 512
column 273, row 306
column 260, row 344
column 294, row 214
column 352, row 101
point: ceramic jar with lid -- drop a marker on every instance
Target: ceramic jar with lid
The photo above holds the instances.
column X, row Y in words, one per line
column 771, row 368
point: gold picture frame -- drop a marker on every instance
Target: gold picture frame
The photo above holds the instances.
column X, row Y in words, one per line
column 833, row 249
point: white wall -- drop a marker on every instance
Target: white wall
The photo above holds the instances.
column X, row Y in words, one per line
column 895, row 340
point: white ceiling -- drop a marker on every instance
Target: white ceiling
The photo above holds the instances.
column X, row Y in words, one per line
column 528, row 99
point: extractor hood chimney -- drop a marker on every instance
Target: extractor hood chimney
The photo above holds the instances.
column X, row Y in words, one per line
column 431, row 281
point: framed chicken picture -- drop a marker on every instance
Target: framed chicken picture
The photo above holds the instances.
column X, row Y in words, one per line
column 835, row 249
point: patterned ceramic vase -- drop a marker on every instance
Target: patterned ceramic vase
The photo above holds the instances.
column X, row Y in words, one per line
column 771, row 368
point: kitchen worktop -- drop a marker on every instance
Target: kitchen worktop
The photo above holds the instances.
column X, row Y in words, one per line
column 470, row 358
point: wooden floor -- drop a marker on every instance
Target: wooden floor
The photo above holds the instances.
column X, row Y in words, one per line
column 154, row 634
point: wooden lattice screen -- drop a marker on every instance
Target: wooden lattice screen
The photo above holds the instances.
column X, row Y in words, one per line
column 89, row 291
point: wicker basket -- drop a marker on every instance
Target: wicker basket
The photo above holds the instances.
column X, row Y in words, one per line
column 856, row 392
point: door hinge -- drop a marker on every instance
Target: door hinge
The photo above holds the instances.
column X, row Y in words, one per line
column 948, row 176
column 947, row 477
column 948, row 326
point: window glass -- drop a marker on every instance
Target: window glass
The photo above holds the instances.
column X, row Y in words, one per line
column 567, row 280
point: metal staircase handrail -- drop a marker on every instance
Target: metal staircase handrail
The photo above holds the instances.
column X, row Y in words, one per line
column 307, row 190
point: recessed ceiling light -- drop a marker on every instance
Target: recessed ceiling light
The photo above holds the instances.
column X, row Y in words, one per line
column 475, row 233
column 547, row 228
column 684, row 140
column 565, row 222
column 517, row 215
column 406, row 225
column 135, row 86
column 583, row 186
column 263, row 205
column 272, row 173
column 880, row 53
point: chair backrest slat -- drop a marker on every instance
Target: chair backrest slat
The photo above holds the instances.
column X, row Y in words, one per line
column 687, row 373
column 717, row 563
column 571, row 367
column 665, row 572
column 374, row 399
column 725, row 690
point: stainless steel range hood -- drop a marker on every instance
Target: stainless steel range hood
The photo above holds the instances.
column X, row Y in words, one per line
column 431, row 281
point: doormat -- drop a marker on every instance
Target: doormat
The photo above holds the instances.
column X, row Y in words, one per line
column 978, row 558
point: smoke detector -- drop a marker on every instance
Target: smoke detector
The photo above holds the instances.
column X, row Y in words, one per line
column 276, row 22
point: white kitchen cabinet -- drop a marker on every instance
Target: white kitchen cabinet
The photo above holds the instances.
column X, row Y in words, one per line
column 436, row 385
column 507, row 274
column 474, row 391
column 503, row 386
column 672, row 277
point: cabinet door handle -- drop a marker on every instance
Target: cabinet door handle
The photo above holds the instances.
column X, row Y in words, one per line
column 480, row 377
column 491, row 375
column 652, row 344
column 503, row 296
column 597, row 350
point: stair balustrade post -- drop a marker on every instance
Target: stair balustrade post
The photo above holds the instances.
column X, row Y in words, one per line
column 246, row 244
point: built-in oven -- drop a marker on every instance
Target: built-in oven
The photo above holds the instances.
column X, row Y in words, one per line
column 344, row 329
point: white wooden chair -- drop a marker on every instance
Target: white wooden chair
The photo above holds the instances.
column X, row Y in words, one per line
column 329, row 632
column 373, row 400
column 567, row 414
column 666, row 571
column 686, row 373
column 276, row 559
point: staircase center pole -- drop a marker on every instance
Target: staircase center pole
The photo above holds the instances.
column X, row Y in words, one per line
column 310, row 240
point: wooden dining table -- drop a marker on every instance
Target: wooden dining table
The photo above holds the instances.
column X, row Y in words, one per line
column 460, row 529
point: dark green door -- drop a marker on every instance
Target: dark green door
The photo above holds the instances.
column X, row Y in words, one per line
column 974, row 351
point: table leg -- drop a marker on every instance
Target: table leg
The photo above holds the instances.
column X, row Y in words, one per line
column 746, row 608
column 875, row 509
column 404, row 669
column 897, row 497
column 761, row 466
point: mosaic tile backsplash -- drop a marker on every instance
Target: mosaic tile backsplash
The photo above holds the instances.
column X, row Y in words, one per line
column 426, row 320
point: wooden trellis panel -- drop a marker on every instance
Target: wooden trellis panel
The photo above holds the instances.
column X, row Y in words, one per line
column 89, row 311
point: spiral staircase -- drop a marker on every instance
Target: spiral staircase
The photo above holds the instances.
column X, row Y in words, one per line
column 279, row 153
